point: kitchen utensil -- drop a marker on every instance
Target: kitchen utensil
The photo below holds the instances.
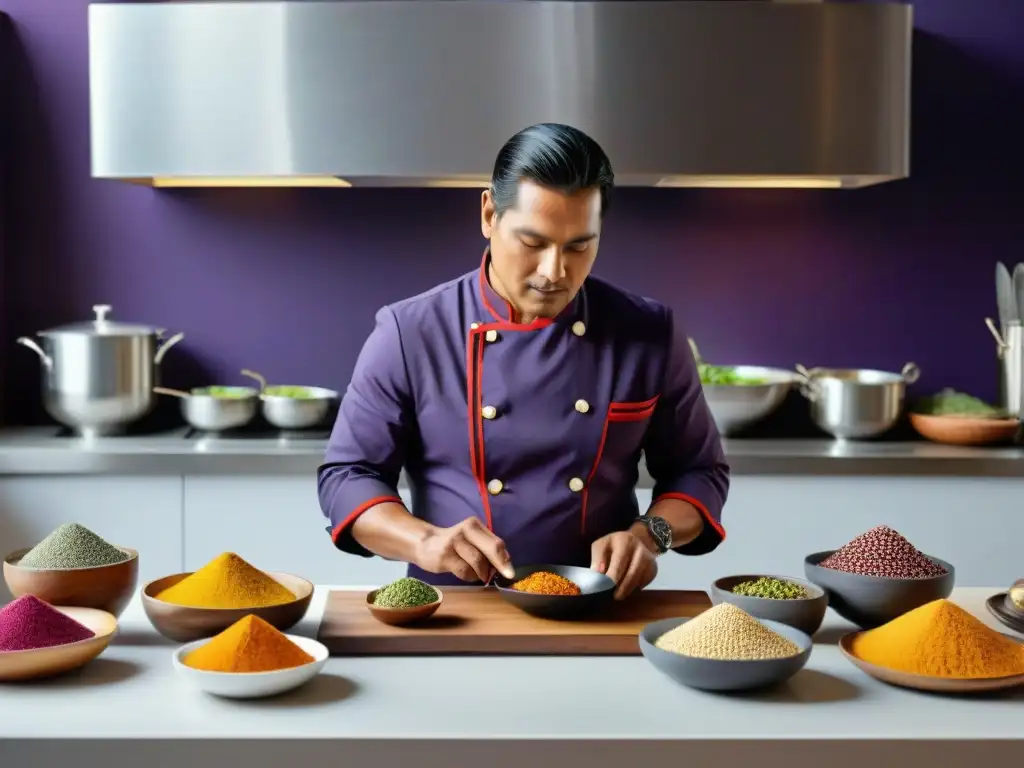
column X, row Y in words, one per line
column 1000, row 344
column 291, row 406
column 1011, row 369
column 99, row 375
column 925, row 682
column 721, row 674
column 735, row 407
column 851, row 403
column 964, row 430
column 805, row 614
column 214, row 413
column 398, row 617
column 870, row 601
column 185, row 623
column 1006, row 296
column 476, row 620
column 596, row 591
column 252, row 685
column 105, row 587
column 47, row 662
column 1018, row 291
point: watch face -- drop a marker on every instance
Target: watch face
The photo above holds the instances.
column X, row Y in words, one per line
column 661, row 531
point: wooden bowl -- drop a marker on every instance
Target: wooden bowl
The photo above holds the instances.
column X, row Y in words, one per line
column 926, row 682
column 184, row 623
column 47, row 662
column 964, row 430
column 105, row 587
column 396, row 617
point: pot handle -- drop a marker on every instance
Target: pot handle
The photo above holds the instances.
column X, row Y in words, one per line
column 258, row 377
column 162, row 350
column 808, row 386
column 910, row 373
column 47, row 361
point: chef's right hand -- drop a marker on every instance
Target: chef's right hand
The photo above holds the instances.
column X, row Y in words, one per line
column 469, row 550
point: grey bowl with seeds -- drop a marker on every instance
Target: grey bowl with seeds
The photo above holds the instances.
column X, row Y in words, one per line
column 870, row 601
column 805, row 614
column 724, row 674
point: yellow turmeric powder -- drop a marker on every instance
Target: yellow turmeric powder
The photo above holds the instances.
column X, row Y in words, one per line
column 227, row 581
column 248, row 645
column 940, row 639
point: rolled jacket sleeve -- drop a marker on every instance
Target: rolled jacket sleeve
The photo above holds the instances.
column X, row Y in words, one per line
column 365, row 453
column 683, row 448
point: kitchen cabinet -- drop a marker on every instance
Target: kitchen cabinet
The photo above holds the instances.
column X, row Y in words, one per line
column 139, row 512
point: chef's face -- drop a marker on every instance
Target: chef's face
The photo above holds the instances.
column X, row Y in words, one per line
column 543, row 247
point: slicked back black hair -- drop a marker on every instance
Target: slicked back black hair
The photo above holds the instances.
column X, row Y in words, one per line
column 552, row 155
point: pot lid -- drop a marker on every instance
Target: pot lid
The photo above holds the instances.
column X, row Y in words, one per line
column 102, row 326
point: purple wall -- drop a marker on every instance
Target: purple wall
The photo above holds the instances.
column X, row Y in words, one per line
column 287, row 282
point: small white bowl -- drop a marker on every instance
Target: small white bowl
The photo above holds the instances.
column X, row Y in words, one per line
column 252, row 685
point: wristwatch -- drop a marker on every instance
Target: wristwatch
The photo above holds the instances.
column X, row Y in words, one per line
column 660, row 531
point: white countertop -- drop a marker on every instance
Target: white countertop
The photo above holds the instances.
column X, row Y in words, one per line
column 377, row 704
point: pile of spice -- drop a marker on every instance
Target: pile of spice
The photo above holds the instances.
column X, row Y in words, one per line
column 248, row 645
column 29, row 623
column 883, row 552
column 405, row 593
column 72, row 546
column 547, row 583
column 728, row 633
column 227, row 581
column 770, row 588
column 940, row 639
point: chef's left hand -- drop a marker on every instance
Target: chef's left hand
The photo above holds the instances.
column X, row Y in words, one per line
column 625, row 559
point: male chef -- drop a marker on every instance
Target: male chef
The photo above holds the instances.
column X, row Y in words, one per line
column 519, row 397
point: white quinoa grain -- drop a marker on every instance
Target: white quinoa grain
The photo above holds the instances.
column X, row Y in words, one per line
column 729, row 633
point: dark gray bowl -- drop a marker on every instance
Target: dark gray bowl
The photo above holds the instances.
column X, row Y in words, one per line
column 805, row 614
column 597, row 591
column 719, row 675
column 870, row 601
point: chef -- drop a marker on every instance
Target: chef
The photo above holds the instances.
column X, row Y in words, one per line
column 519, row 397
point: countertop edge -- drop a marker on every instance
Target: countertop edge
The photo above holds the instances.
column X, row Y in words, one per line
column 37, row 451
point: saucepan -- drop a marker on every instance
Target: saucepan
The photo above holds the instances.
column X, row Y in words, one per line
column 291, row 406
column 214, row 409
column 854, row 403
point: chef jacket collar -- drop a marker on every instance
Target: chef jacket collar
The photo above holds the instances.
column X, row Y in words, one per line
column 501, row 312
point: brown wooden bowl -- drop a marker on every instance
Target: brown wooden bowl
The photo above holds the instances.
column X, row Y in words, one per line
column 964, row 430
column 184, row 623
column 105, row 587
column 396, row 617
column 926, row 682
column 46, row 662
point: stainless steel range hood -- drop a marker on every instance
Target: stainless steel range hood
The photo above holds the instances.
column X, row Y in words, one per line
column 424, row 93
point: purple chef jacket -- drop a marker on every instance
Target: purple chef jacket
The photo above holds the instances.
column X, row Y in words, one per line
column 536, row 429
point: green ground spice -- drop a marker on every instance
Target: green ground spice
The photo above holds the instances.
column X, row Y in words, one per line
column 773, row 589
column 72, row 546
column 405, row 593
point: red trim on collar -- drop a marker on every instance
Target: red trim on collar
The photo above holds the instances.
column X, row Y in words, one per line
column 491, row 298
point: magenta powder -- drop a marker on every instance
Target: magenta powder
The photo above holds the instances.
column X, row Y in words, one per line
column 882, row 552
column 29, row 623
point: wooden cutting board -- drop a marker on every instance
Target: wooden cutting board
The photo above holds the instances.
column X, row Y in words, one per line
column 476, row 620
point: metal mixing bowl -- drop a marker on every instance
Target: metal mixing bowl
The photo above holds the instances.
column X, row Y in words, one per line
column 286, row 412
column 738, row 406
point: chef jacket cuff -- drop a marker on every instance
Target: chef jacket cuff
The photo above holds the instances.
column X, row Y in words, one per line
column 349, row 502
column 711, row 535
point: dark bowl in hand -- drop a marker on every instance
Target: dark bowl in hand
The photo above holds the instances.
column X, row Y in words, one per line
column 596, row 590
